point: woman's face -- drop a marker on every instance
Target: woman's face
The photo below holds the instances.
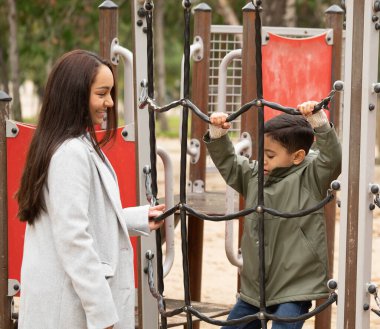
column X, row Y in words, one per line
column 100, row 95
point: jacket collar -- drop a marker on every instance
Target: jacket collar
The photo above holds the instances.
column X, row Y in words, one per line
column 279, row 173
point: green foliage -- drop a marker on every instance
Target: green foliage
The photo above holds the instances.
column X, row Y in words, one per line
column 48, row 28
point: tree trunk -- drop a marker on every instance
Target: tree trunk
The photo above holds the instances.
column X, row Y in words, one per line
column 160, row 61
column 225, row 10
column 4, row 83
column 14, row 61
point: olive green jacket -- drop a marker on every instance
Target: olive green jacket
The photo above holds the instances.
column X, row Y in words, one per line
column 296, row 263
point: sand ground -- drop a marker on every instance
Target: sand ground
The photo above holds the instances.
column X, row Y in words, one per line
column 219, row 277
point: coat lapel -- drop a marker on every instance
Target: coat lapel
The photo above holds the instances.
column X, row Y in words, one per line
column 109, row 180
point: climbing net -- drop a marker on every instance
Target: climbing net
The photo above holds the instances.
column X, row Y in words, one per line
column 147, row 100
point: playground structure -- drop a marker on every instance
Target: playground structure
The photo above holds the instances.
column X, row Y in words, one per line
column 356, row 291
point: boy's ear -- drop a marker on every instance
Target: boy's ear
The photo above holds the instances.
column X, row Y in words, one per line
column 298, row 156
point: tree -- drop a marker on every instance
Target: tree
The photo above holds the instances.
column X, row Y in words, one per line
column 14, row 60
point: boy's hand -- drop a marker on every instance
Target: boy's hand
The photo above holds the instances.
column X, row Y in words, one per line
column 218, row 119
column 307, row 108
column 218, row 125
column 317, row 119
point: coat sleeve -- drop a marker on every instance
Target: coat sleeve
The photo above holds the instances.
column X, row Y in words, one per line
column 136, row 219
column 67, row 203
column 235, row 169
column 327, row 165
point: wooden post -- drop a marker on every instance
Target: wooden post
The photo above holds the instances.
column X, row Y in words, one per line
column 197, row 171
column 108, row 30
column 249, row 119
column 5, row 303
column 334, row 20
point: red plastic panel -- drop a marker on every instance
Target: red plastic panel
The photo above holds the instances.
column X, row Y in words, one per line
column 295, row 70
column 120, row 153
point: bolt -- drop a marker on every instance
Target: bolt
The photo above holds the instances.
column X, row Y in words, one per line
column 371, row 107
column 140, row 23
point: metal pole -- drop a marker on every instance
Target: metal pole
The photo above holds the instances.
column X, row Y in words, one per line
column 334, row 18
column 361, row 63
column 148, row 313
column 5, row 304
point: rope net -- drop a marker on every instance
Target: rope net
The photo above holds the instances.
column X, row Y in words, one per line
column 147, row 100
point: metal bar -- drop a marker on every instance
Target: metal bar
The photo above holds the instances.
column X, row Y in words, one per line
column 351, row 163
column 367, row 170
column 334, row 20
column 148, row 315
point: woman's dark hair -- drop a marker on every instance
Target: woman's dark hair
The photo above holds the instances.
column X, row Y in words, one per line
column 64, row 115
column 293, row 132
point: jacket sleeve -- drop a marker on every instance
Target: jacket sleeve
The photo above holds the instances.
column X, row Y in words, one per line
column 136, row 219
column 67, row 203
column 327, row 165
column 235, row 169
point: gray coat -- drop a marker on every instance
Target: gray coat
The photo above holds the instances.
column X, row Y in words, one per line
column 77, row 269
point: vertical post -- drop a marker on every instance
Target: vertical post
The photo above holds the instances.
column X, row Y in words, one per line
column 148, row 314
column 197, row 171
column 334, row 20
column 108, row 30
column 249, row 120
column 5, row 305
column 361, row 64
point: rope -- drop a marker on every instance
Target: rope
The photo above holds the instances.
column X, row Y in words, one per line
column 185, row 119
column 247, row 211
column 260, row 315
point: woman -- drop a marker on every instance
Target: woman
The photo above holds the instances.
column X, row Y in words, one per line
column 77, row 269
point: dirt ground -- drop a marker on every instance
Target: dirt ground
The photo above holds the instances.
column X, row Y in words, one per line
column 219, row 277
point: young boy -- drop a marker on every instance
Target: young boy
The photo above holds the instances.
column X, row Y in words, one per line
column 296, row 263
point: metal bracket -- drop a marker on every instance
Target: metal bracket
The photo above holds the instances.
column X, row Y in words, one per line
column 248, row 150
column 194, row 150
column 128, row 133
column 13, row 287
column 375, row 88
column 11, row 129
column 199, row 49
column 114, row 57
column 264, row 38
column 198, row 186
column 330, row 37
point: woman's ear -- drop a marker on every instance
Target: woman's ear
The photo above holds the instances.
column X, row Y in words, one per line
column 298, row 156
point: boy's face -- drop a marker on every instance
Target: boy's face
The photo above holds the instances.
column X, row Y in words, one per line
column 277, row 156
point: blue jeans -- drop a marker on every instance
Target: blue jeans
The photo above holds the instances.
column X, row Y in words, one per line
column 293, row 309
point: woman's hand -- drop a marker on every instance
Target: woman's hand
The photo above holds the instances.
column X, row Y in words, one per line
column 153, row 213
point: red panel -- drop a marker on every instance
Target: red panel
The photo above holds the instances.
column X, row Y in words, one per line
column 120, row 153
column 295, row 70
column 17, row 148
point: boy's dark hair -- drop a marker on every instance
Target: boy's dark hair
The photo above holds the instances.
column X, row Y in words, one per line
column 293, row 132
